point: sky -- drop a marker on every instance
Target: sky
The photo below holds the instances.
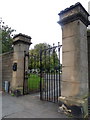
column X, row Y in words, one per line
column 36, row 18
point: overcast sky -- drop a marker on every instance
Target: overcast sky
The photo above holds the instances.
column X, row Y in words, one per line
column 36, row 18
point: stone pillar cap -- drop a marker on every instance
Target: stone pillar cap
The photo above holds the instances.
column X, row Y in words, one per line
column 22, row 38
column 74, row 12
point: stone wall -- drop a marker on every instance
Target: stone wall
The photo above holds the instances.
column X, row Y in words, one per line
column 74, row 85
column 7, row 60
column 88, row 42
column 21, row 44
column 89, row 12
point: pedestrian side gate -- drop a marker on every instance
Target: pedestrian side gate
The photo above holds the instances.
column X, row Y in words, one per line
column 44, row 74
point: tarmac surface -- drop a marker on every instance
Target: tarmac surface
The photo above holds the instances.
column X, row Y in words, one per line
column 29, row 106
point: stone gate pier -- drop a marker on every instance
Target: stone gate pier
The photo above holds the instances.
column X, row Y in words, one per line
column 21, row 44
column 74, row 84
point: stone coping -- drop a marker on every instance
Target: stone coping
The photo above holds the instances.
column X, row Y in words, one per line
column 72, row 7
column 23, row 35
column 74, row 12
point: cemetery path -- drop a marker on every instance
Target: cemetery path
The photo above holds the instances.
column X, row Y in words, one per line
column 29, row 106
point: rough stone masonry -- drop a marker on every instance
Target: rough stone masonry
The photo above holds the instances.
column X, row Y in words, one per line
column 74, row 84
column 21, row 46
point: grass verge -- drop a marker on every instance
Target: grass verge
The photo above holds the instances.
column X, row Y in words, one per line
column 33, row 82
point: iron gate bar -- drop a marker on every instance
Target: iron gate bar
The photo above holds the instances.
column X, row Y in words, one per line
column 54, row 67
column 59, row 46
column 52, row 85
column 30, row 66
column 36, row 59
column 24, row 74
column 47, row 86
column 41, row 74
column 57, row 85
column 34, row 68
column 49, row 72
column 25, row 86
column 27, row 76
column 45, row 74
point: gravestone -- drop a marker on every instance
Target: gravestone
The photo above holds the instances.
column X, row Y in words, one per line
column 74, row 84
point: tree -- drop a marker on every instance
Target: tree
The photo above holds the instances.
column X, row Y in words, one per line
column 34, row 59
column 43, row 53
column 7, row 35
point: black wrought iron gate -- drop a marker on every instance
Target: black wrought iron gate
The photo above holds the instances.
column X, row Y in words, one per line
column 50, row 70
column 47, row 69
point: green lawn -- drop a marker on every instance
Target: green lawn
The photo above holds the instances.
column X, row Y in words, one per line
column 33, row 82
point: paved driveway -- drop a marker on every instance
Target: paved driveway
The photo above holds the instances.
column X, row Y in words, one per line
column 29, row 106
